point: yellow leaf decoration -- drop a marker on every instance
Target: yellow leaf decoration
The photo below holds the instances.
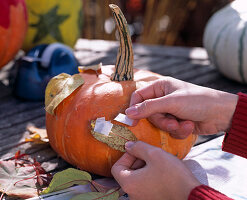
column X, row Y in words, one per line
column 117, row 137
column 59, row 88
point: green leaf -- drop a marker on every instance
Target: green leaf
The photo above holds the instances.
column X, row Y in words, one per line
column 68, row 178
column 110, row 195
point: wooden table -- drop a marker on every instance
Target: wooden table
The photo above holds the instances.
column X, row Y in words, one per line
column 188, row 64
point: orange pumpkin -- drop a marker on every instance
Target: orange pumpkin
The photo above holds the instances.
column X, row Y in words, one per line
column 104, row 94
column 13, row 28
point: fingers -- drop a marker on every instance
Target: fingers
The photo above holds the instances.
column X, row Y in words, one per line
column 164, row 122
column 138, row 164
column 142, row 98
column 154, row 90
column 137, row 153
column 130, row 171
column 150, row 107
column 185, row 129
column 122, row 167
column 179, row 129
column 140, row 150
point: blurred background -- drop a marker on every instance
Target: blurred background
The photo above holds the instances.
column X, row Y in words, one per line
column 53, row 27
column 162, row 22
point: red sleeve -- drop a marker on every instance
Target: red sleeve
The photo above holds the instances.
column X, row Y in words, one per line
column 203, row 192
column 235, row 140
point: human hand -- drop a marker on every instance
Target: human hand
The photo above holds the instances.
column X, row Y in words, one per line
column 156, row 175
column 182, row 108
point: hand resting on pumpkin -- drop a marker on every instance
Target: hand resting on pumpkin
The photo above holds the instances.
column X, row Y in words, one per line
column 148, row 172
column 182, row 108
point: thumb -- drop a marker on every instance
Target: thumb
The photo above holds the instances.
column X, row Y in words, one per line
column 122, row 167
column 140, row 150
column 150, row 107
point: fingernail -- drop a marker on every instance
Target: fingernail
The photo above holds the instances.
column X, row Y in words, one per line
column 131, row 111
column 129, row 144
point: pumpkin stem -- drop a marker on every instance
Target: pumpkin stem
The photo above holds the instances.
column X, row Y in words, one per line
column 125, row 57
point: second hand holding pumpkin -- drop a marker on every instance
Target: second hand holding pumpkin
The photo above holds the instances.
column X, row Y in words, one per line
column 182, row 108
column 162, row 175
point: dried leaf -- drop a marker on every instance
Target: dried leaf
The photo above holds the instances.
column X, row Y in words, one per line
column 37, row 135
column 59, row 88
column 67, row 178
column 18, row 181
column 91, row 67
column 18, row 156
column 110, row 195
column 117, row 138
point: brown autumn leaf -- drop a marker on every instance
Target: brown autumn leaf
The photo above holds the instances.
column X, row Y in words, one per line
column 37, row 135
column 105, row 184
column 20, row 180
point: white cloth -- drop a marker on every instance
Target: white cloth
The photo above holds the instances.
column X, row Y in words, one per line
column 220, row 170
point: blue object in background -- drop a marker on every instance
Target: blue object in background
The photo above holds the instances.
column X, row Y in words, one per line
column 41, row 64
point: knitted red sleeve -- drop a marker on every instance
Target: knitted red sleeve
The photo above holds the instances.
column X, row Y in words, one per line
column 203, row 192
column 235, row 142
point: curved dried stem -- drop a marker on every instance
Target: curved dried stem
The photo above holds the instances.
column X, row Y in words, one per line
column 125, row 57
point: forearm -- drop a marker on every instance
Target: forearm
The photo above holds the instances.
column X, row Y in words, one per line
column 235, row 140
